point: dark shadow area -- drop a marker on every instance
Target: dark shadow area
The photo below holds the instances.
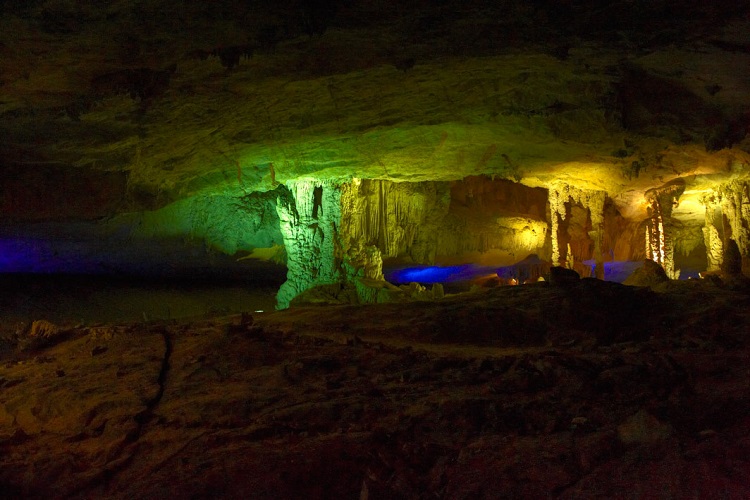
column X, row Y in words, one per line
column 87, row 299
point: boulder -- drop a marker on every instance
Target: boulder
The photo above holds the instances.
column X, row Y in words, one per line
column 562, row 276
column 649, row 274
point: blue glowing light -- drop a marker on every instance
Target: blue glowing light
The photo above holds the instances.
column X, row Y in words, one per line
column 435, row 274
column 616, row 271
column 35, row 255
column 19, row 255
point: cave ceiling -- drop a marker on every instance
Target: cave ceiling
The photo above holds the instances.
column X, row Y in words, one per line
column 146, row 103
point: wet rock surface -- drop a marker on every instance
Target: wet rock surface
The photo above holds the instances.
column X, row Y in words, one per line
column 593, row 389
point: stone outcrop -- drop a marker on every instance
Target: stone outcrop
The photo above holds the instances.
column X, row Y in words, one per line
column 650, row 274
column 534, row 391
column 561, row 276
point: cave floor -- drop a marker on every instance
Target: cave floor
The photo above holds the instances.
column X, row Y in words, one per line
column 593, row 389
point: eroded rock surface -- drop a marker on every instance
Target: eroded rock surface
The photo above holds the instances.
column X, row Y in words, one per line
column 590, row 389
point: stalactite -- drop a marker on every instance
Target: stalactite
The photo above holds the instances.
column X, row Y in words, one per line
column 554, row 225
column 593, row 202
column 397, row 218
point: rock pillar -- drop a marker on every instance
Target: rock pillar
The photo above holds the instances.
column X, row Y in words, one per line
column 659, row 227
column 309, row 221
column 711, row 235
column 558, row 196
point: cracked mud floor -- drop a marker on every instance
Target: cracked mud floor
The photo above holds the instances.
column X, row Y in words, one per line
column 590, row 390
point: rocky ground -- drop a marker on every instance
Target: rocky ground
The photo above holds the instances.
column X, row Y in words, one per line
column 590, row 389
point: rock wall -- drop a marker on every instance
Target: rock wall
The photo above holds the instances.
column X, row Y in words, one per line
column 43, row 191
column 226, row 223
column 727, row 218
column 344, row 232
column 397, row 218
column 426, row 222
column 216, row 237
column 493, row 222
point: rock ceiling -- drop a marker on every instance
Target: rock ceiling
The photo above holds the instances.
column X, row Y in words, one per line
column 136, row 104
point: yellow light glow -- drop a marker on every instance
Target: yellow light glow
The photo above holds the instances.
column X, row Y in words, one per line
column 661, row 240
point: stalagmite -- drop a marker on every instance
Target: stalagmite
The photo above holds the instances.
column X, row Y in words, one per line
column 559, row 195
column 382, row 219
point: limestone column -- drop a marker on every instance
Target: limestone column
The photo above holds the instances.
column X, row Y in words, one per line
column 655, row 235
column 659, row 230
column 360, row 226
column 558, row 196
column 711, row 235
column 554, row 225
column 309, row 221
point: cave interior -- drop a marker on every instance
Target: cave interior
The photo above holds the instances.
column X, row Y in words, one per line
column 369, row 173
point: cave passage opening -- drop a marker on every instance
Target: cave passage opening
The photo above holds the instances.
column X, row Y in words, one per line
column 475, row 231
